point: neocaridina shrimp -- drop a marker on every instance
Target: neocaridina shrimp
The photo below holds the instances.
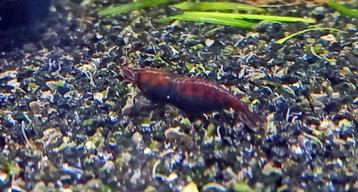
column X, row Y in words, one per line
column 194, row 96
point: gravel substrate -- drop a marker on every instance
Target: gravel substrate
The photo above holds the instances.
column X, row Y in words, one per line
column 68, row 121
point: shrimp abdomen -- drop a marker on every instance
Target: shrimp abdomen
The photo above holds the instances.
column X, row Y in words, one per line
column 198, row 96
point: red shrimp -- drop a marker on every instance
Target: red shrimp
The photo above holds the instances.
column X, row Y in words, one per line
column 194, row 96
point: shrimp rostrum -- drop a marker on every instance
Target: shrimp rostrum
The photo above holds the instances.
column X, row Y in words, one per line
column 194, row 96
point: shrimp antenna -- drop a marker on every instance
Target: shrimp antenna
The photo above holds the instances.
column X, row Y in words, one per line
column 127, row 73
column 125, row 63
column 126, row 54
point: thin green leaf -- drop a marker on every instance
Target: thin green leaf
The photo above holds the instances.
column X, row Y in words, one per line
column 305, row 31
column 243, row 187
column 123, row 8
column 343, row 9
column 249, row 16
column 214, row 20
column 216, row 6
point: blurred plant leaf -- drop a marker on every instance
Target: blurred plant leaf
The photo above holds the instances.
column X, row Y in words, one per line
column 343, row 9
column 123, row 8
column 305, row 31
column 217, row 6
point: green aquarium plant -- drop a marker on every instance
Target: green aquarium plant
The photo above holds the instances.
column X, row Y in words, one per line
column 193, row 14
column 213, row 19
column 123, row 8
column 283, row 40
column 217, row 6
column 343, row 9
column 202, row 12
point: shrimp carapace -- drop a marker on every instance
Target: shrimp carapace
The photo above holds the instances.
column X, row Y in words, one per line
column 194, row 96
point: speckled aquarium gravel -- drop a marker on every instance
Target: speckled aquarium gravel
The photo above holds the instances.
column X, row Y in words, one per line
column 69, row 121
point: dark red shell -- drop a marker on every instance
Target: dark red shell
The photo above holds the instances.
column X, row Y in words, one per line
column 193, row 95
column 155, row 85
